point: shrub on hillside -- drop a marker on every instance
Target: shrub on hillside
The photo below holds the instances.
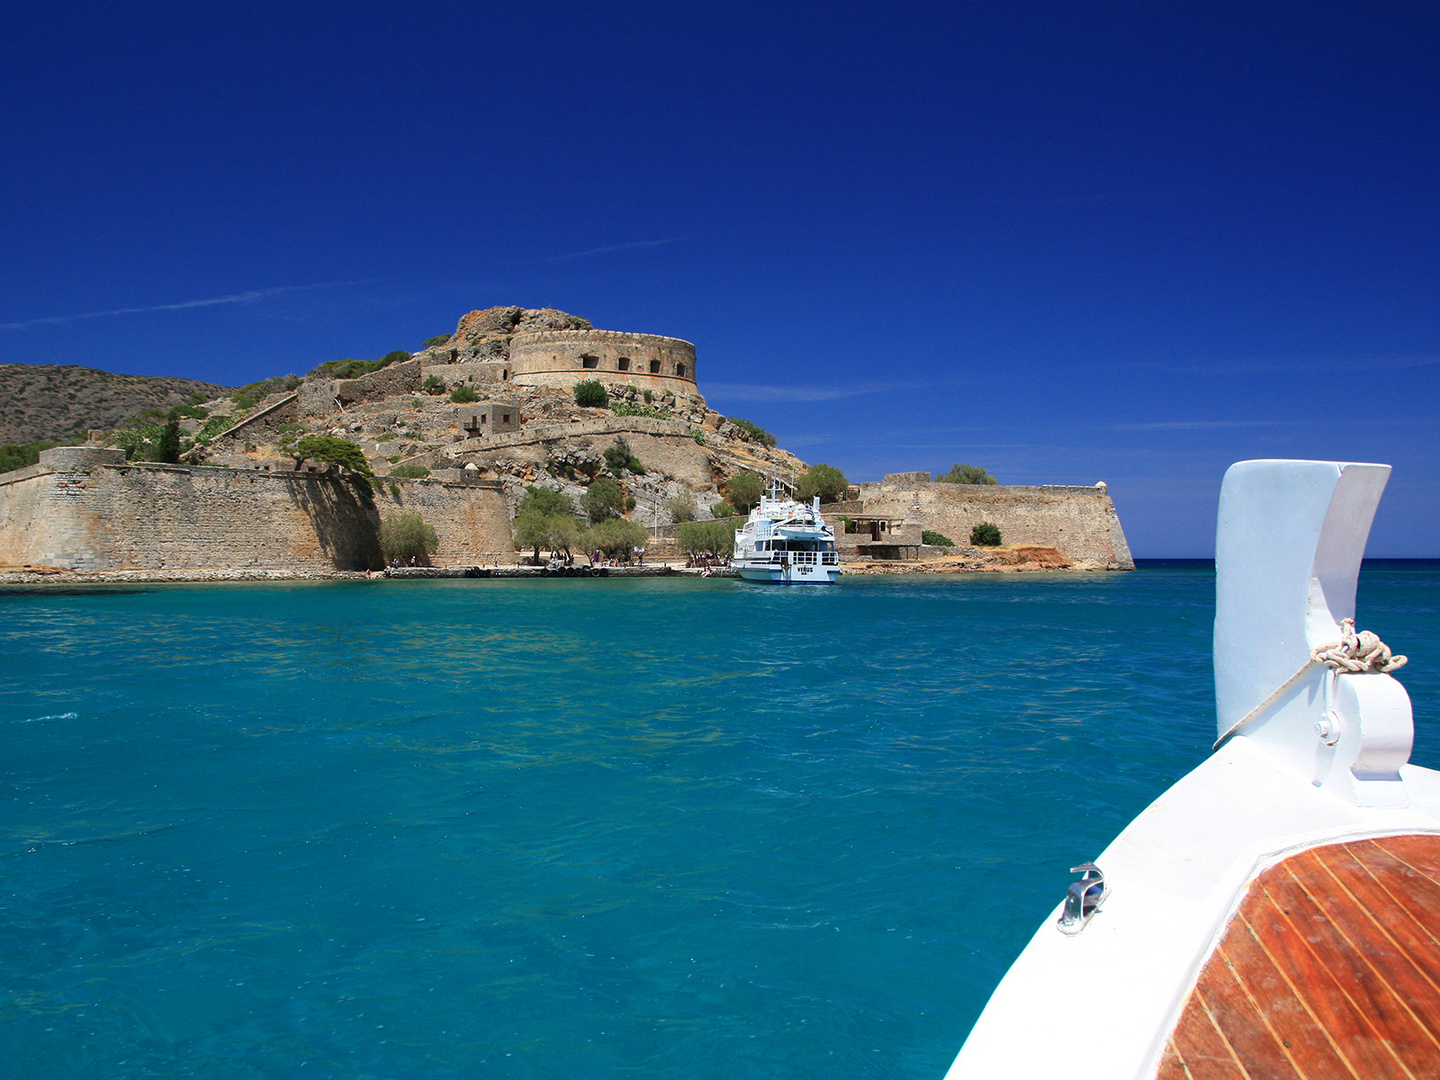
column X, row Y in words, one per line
column 755, row 431
column 250, row 395
column 985, row 535
column 591, row 394
column 438, row 339
column 618, row 458
column 722, row 510
column 433, row 385
column 626, row 408
column 353, row 369
column 965, row 474
column 681, row 507
column 410, row 472
column 934, row 539
column 463, row 395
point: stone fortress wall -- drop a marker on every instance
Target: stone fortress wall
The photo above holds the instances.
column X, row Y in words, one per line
column 561, row 358
column 1078, row 522
column 87, row 508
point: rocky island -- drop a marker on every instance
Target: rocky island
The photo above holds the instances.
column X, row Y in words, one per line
column 456, row 434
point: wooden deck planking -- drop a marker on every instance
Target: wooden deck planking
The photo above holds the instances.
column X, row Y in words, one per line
column 1361, row 960
column 1331, row 968
column 1202, row 1050
column 1248, row 1030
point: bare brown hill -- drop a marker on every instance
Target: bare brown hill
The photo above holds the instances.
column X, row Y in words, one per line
column 59, row 401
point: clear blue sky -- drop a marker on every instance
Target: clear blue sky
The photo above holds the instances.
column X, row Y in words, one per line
column 1069, row 242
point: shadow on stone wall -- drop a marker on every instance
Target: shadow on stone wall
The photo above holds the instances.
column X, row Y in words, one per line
column 342, row 511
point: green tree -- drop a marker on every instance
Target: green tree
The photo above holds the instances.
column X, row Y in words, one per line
column 463, row 395
column 743, row 490
column 405, row 535
column 965, row 474
column 546, row 501
column 722, row 509
column 615, row 536
column 824, row 480
column 330, row 449
column 985, row 535
column 545, row 518
column 169, row 448
column 706, row 538
column 433, row 385
column 19, row 456
column 552, row 532
column 603, row 499
column 936, row 539
column 591, row 394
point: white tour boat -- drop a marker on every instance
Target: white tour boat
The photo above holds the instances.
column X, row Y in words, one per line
column 786, row 541
column 1276, row 913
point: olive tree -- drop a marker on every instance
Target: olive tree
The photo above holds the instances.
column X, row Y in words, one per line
column 824, row 480
column 743, row 490
column 545, row 518
column 406, row 535
column 965, row 474
column 604, row 498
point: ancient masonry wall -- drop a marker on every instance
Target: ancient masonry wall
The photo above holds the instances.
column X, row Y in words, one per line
column 317, row 397
column 562, row 358
column 89, row 509
column 1079, row 522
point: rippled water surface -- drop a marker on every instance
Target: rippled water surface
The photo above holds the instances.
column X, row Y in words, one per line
column 576, row 828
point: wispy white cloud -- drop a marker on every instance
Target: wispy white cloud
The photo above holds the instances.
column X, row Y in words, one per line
column 1206, row 425
column 632, row 245
column 1357, row 365
column 757, row 392
column 248, row 297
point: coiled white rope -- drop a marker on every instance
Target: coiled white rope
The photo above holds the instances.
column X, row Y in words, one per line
column 1353, row 654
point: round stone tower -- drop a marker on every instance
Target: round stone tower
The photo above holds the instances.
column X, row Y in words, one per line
column 561, row 358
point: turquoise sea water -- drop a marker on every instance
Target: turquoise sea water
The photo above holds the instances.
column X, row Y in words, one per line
column 576, row 828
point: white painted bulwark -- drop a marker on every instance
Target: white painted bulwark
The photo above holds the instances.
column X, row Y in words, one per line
column 1103, row 1002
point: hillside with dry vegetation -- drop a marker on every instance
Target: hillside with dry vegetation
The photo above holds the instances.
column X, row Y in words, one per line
column 61, row 402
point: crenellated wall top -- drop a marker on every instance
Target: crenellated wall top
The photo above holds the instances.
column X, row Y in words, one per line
column 612, row 337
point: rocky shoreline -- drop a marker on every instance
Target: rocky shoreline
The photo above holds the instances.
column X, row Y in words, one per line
column 1015, row 560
